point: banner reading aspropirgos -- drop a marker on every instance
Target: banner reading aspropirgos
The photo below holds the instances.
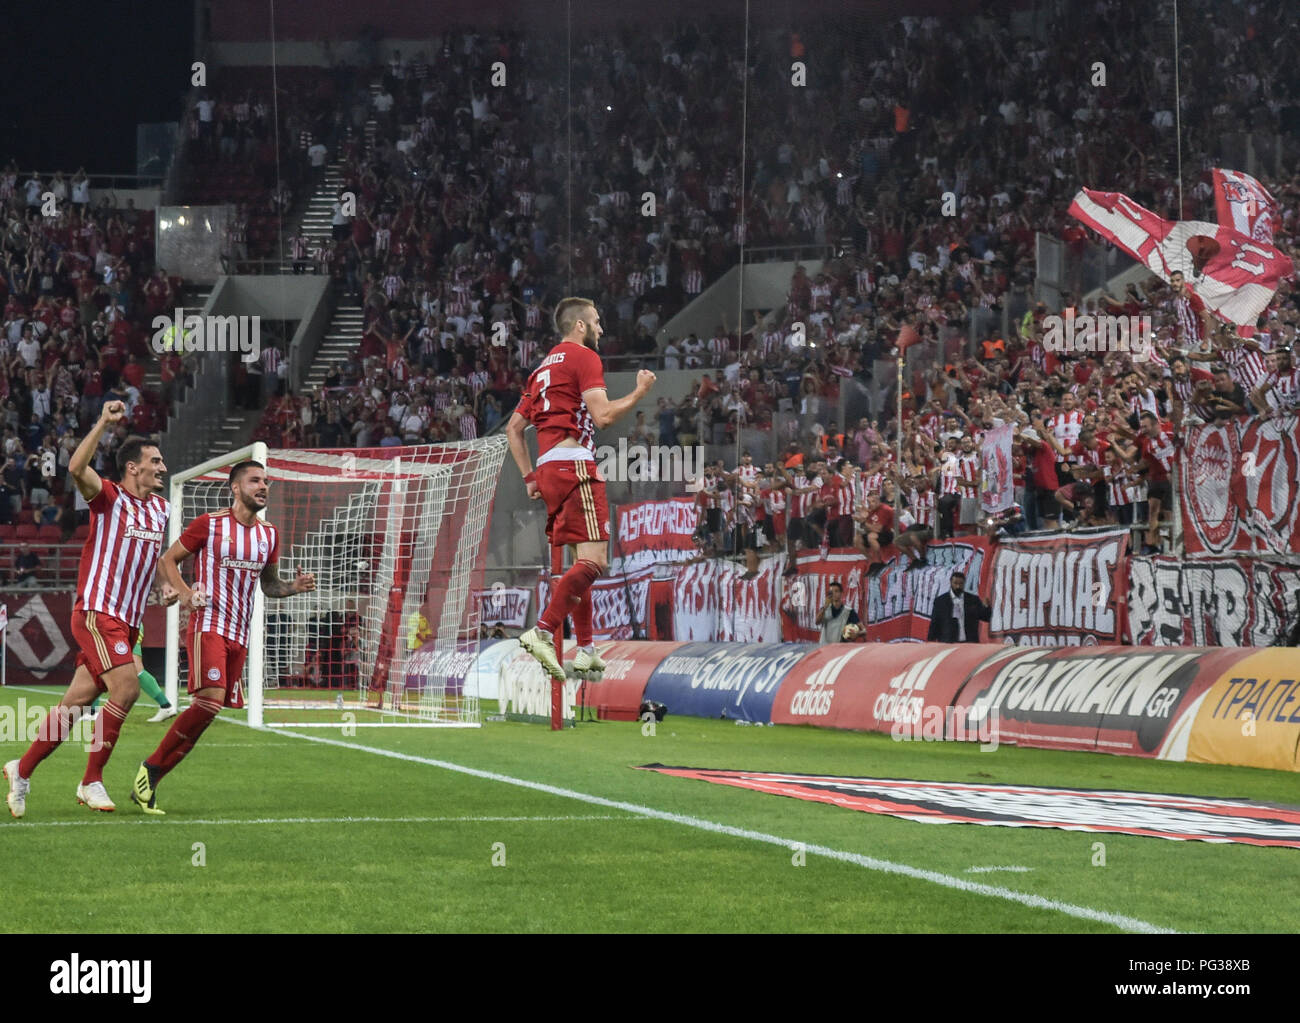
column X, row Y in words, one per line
column 1062, row 590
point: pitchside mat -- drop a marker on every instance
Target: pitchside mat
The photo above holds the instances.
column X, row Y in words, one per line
column 1149, row 814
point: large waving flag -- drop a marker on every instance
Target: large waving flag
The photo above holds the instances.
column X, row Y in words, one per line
column 1244, row 205
column 1235, row 275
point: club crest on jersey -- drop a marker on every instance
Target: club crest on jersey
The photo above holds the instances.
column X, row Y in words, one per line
column 261, row 547
column 121, row 647
column 214, row 674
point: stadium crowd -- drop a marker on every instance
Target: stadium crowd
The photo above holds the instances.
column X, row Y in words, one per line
column 925, row 204
column 78, row 290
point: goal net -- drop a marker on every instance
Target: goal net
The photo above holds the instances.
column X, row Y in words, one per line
column 396, row 540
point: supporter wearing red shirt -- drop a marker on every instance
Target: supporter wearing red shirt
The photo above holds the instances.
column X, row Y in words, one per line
column 876, row 521
column 1156, row 450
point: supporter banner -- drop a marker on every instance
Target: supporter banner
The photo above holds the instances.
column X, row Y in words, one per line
column 1239, row 277
column 1243, row 204
column 450, row 665
column 1239, row 484
column 504, row 605
column 805, row 594
column 1149, row 814
column 1062, row 590
column 654, row 532
column 1251, row 715
column 710, row 680
column 1242, row 602
column 618, row 606
column 900, row 598
column 618, row 694
column 712, row 601
column 996, row 490
column 659, row 613
column 41, row 649
column 878, row 688
column 1109, row 700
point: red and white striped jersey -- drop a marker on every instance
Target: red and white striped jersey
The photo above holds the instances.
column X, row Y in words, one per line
column 802, row 504
column 1183, row 388
column 868, row 485
column 120, row 555
column 271, row 359
column 1283, row 389
column 949, row 476
column 392, row 286
column 229, row 559
column 969, row 467
column 524, row 202
column 1065, row 427
column 773, row 343
column 747, row 473
column 1118, row 485
column 773, row 501
column 478, row 380
column 1187, row 312
column 533, row 315
column 718, row 348
column 693, row 282
column 468, row 426
column 864, row 283
column 844, row 497
column 1247, row 367
column 636, row 282
column 821, row 296
column 922, row 506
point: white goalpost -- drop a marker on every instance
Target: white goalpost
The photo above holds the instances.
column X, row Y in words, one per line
column 396, row 540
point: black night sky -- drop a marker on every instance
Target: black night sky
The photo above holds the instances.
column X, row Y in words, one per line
column 76, row 77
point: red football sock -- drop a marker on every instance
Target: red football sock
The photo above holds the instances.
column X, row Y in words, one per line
column 49, row 736
column 107, row 727
column 575, row 583
column 182, row 735
column 582, row 620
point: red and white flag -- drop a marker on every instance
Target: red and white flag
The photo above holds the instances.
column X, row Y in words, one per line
column 1239, row 276
column 1244, row 205
column 997, row 491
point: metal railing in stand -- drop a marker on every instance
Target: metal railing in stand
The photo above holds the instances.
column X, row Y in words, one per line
column 785, row 253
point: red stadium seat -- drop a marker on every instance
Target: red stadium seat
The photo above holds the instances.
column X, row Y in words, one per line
column 28, row 532
column 50, row 534
column 80, row 535
column 7, row 533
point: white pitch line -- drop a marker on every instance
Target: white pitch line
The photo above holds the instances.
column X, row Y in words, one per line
column 1124, row 923
column 106, row 822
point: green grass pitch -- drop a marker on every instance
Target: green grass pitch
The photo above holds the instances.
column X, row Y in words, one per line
column 295, row 835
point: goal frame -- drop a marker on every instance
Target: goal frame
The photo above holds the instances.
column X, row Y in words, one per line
column 255, row 704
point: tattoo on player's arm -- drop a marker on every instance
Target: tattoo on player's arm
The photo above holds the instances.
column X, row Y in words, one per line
column 272, row 585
